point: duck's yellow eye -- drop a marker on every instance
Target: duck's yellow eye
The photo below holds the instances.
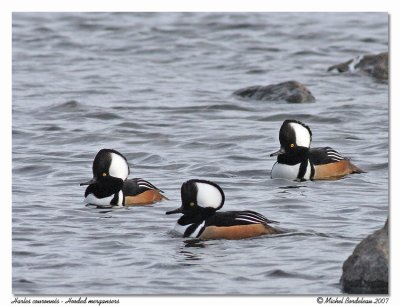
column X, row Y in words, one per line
column 104, row 174
column 292, row 145
column 191, row 204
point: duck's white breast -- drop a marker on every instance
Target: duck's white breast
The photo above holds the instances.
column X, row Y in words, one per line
column 289, row 172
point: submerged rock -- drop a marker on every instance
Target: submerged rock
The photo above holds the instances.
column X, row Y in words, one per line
column 367, row 269
column 291, row 91
column 376, row 65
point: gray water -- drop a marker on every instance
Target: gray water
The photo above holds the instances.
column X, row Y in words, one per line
column 158, row 88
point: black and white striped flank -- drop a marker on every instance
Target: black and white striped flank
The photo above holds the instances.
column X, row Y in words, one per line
column 145, row 184
column 252, row 217
column 334, row 155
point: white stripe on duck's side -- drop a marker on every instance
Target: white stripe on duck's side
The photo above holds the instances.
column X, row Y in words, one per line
column 196, row 233
column 181, row 229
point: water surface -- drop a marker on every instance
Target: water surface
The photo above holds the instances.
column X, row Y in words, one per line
column 158, row 88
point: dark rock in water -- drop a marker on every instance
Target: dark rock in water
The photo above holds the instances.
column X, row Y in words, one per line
column 367, row 269
column 291, row 91
column 376, row 65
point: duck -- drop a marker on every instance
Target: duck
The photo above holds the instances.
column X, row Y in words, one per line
column 201, row 200
column 296, row 160
column 110, row 168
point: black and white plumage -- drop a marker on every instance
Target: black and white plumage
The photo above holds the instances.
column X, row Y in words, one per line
column 109, row 163
column 106, row 192
column 297, row 161
column 326, row 155
column 200, row 201
column 229, row 218
column 136, row 186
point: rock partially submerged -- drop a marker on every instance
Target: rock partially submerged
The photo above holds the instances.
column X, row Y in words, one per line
column 367, row 269
column 375, row 65
column 291, row 91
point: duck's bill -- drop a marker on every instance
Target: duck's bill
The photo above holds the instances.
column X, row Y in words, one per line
column 93, row 180
column 175, row 211
column 280, row 151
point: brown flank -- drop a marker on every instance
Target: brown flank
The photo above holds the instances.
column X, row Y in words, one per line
column 335, row 170
column 145, row 198
column 237, row 231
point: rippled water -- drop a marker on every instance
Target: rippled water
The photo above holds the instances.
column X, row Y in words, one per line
column 158, row 88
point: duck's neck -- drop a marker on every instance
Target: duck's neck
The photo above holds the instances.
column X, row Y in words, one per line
column 197, row 218
column 295, row 157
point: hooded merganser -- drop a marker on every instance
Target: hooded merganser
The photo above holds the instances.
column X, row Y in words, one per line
column 110, row 168
column 200, row 201
column 297, row 161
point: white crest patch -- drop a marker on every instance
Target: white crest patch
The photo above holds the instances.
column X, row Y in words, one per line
column 303, row 138
column 208, row 195
column 119, row 167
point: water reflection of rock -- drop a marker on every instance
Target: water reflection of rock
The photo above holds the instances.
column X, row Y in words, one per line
column 375, row 65
column 367, row 269
column 291, row 91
